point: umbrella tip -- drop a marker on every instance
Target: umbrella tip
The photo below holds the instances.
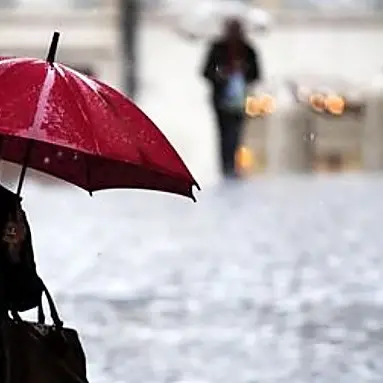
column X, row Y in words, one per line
column 192, row 196
column 53, row 47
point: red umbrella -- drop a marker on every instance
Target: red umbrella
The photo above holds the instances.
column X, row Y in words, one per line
column 63, row 123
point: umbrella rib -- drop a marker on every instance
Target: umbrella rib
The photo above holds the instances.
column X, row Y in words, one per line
column 42, row 101
column 95, row 88
column 14, row 62
column 118, row 114
column 75, row 97
column 6, row 70
column 93, row 85
column 139, row 149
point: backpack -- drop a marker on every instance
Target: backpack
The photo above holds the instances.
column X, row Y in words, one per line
column 21, row 288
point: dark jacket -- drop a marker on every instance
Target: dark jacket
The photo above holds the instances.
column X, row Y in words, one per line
column 10, row 203
column 20, row 286
column 218, row 57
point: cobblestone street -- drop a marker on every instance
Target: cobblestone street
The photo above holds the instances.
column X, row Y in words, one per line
column 256, row 275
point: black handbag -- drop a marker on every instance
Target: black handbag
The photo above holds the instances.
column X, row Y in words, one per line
column 36, row 352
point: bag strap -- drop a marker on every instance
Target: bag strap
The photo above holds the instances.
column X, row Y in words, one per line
column 57, row 322
column 52, row 308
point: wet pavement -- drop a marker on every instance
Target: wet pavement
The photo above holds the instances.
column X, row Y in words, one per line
column 261, row 281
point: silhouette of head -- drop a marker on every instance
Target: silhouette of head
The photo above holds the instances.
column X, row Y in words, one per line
column 233, row 29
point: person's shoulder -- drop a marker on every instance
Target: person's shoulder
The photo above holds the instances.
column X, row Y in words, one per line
column 217, row 44
column 8, row 196
column 252, row 51
column 250, row 47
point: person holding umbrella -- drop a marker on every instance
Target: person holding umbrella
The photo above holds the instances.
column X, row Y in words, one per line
column 231, row 66
column 20, row 286
column 61, row 122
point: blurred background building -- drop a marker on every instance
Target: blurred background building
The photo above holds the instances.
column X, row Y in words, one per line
column 89, row 33
column 107, row 38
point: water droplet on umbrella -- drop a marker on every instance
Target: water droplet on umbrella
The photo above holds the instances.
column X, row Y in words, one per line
column 75, row 157
column 59, row 154
column 47, row 160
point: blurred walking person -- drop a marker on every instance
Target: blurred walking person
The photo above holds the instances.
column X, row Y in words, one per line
column 231, row 66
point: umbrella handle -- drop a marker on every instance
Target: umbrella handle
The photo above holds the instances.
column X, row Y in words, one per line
column 25, row 166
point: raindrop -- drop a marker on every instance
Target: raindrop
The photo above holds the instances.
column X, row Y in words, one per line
column 309, row 137
column 75, row 157
column 59, row 154
column 372, row 324
column 47, row 160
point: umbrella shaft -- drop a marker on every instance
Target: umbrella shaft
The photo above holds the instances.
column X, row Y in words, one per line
column 25, row 166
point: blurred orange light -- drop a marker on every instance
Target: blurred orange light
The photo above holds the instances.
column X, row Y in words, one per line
column 260, row 106
column 244, row 159
column 252, row 107
column 335, row 105
column 267, row 104
column 318, row 102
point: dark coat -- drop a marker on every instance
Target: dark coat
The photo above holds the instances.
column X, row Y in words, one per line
column 9, row 204
column 218, row 57
column 20, row 286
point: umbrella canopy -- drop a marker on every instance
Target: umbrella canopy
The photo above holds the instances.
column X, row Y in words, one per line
column 76, row 128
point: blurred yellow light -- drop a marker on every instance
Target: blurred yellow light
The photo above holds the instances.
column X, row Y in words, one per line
column 318, row 102
column 252, row 107
column 244, row 159
column 267, row 104
column 335, row 105
column 260, row 106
